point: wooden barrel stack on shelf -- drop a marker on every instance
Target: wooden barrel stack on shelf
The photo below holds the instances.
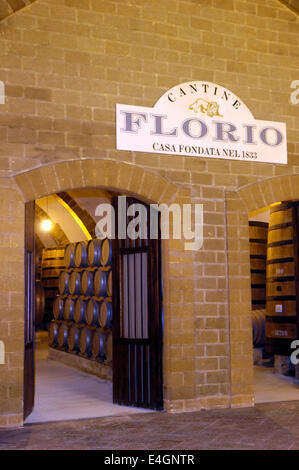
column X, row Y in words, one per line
column 258, row 233
column 83, row 309
column 52, row 263
column 282, row 271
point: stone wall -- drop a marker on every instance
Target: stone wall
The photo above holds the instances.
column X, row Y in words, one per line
column 65, row 64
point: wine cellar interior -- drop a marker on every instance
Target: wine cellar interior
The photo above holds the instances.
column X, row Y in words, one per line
column 273, row 238
column 73, row 304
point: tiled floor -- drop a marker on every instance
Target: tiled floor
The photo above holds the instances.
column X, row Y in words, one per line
column 271, row 387
column 267, row 426
column 63, row 393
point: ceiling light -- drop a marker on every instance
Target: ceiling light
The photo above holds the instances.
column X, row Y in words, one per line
column 47, row 225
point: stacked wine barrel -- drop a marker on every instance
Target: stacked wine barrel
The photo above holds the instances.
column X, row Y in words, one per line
column 83, row 309
column 52, row 263
column 281, row 308
column 258, row 233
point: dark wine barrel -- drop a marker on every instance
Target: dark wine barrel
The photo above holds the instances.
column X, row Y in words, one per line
column 75, row 283
column 69, row 309
column 86, row 341
column 106, row 314
column 93, row 312
column 109, row 283
column 69, row 255
column 258, row 232
column 106, row 252
column 100, row 282
column 87, row 283
column 63, row 285
column 39, row 303
column 80, row 310
column 58, row 308
column 81, row 255
column 53, row 333
column 281, row 310
column 258, row 328
column 63, row 336
column 74, row 338
column 94, row 252
column 99, row 345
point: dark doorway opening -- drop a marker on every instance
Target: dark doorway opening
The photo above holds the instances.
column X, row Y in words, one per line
column 136, row 361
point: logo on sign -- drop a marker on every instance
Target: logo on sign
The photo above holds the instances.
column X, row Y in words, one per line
column 211, row 108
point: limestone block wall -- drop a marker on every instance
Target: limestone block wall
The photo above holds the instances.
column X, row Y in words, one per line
column 65, row 64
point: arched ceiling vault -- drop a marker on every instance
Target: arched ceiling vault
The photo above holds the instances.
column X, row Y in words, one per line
column 9, row 7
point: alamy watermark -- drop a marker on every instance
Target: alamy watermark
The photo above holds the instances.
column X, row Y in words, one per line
column 2, row 93
column 295, row 354
column 143, row 223
column 2, row 353
column 295, row 93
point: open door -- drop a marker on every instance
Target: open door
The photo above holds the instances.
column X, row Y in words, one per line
column 137, row 324
column 29, row 309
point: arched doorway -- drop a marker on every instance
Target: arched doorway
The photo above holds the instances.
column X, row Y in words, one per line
column 145, row 185
column 239, row 205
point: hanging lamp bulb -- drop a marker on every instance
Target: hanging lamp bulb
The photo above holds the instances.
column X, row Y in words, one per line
column 47, row 225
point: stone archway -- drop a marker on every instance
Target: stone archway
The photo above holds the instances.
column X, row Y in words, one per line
column 178, row 394
column 239, row 204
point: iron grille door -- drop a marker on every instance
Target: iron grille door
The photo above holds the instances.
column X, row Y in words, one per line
column 137, row 324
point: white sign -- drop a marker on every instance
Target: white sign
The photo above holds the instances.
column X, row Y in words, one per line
column 200, row 119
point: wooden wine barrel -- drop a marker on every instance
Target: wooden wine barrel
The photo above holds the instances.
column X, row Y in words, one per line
column 99, row 345
column 81, row 255
column 63, row 336
column 94, row 252
column 58, row 307
column 52, row 263
column 106, row 314
column 258, row 327
column 87, row 283
column 64, row 280
column 69, row 309
column 86, row 341
column 106, row 252
column 53, row 334
column 100, row 283
column 69, row 256
column 75, row 283
column 109, row 283
column 281, row 310
column 74, row 338
column 93, row 312
column 39, row 303
column 258, row 232
column 80, row 310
